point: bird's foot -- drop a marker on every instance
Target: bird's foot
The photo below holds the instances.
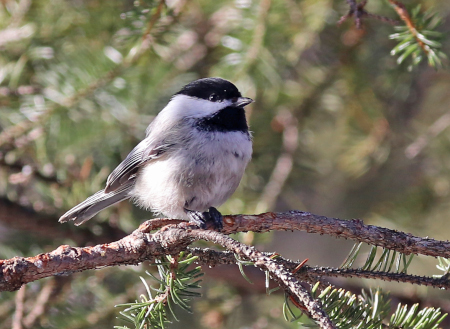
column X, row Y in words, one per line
column 196, row 218
column 216, row 217
column 207, row 219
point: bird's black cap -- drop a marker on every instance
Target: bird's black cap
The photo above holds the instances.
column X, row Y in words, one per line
column 213, row 89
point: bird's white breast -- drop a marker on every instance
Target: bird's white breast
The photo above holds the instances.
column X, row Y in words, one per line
column 201, row 172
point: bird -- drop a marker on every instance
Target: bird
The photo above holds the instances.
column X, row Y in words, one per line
column 190, row 162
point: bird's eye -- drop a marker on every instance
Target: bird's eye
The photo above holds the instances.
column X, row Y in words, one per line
column 214, row 98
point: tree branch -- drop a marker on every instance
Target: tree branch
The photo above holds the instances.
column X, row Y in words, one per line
column 140, row 245
column 441, row 282
column 176, row 235
column 18, row 314
column 405, row 17
column 353, row 229
column 40, row 305
column 277, row 272
column 311, row 274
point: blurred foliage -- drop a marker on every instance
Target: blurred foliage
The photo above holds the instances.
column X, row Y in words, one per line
column 81, row 80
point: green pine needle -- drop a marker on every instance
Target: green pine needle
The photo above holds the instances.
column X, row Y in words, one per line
column 175, row 284
column 388, row 261
column 369, row 310
column 420, row 42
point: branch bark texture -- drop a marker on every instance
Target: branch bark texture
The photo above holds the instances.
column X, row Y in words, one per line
column 174, row 236
column 353, row 229
column 141, row 245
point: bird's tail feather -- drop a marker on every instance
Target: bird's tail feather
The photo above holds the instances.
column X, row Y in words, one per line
column 94, row 204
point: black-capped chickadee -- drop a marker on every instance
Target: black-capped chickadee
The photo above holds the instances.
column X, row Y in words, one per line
column 190, row 162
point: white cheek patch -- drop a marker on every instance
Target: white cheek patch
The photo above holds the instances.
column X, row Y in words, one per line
column 186, row 106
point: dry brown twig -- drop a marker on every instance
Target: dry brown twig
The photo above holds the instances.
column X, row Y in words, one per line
column 358, row 11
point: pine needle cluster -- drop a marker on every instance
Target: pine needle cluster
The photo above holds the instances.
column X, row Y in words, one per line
column 418, row 39
column 176, row 280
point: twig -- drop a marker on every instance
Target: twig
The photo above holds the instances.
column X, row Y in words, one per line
column 415, row 148
column 310, row 274
column 358, row 11
column 40, row 305
column 278, row 272
column 284, row 164
column 405, row 17
column 18, row 314
column 442, row 282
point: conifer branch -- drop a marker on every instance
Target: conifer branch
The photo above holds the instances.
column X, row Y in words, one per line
column 175, row 236
column 441, row 282
column 415, row 37
column 311, row 274
column 176, row 281
column 405, row 17
column 10, row 134
column 140, row 245
column 353, row 229
column 277, row 272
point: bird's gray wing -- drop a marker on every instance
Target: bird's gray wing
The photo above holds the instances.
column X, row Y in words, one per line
column 126, row 171
column 95, row 203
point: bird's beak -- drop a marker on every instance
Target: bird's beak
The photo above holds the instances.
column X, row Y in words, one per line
column 242, row 101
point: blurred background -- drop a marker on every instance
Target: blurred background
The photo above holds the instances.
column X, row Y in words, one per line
column 339, row 130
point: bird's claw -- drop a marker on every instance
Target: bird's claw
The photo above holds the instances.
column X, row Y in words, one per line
column 205, row 220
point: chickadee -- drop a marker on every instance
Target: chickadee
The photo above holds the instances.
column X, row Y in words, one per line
column 190, row 162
